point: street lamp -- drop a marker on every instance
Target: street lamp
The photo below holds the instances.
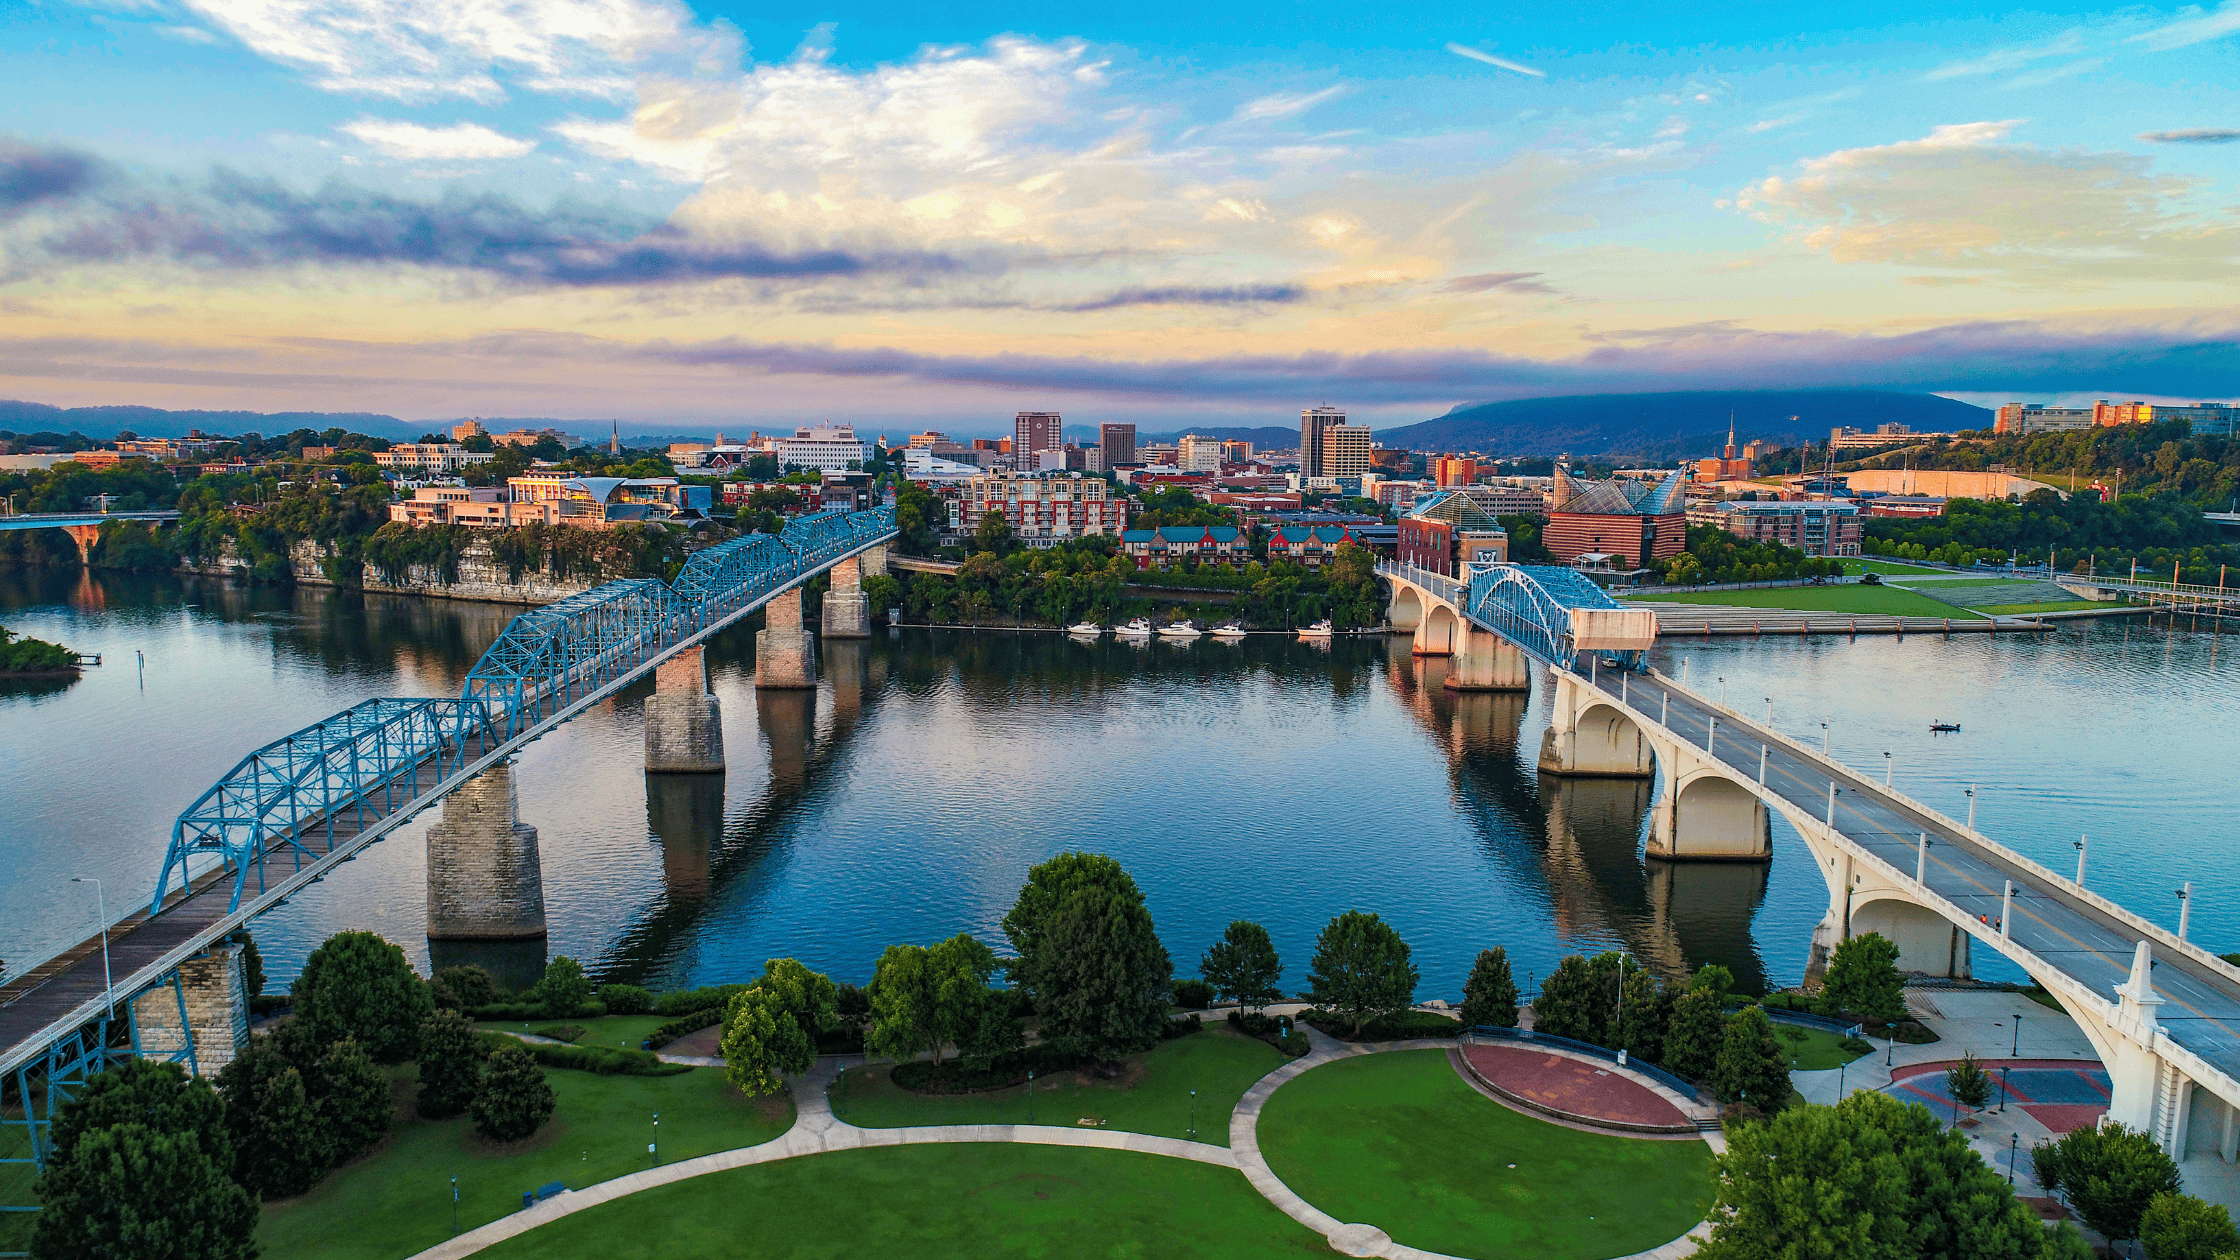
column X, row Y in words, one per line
column 2080, row 860
column 1193, row 1115
column 2002, row 1108
column 101, row 907
column 1722, row 691
column 653, row 1148
column 454, row 1205
column 1971, row 807
column 1824, row 739
column 1886, row 765
column 1030, row 1095
column 2016, row 1048
column 1769, row 710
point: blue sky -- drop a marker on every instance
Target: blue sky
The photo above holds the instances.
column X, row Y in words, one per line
column 943, row 213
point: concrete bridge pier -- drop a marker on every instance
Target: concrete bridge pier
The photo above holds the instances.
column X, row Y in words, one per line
column 1589, row 736
column 484, row 879
column 785, row 654
column 684, row 722
column 1703, row 814
column 85, row 536
column 1440, row 632
column 1484, row 661
column 217, row 1010
column 847, row 613
column 1404, row 615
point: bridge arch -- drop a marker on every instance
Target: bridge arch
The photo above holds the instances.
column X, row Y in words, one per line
column 1706, row 814
column 1406, row 612
column 1927, row 941
column 1441, row 631
column 1597, row 740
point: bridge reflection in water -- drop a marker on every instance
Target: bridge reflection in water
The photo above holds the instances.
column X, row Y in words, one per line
column 1579, row 841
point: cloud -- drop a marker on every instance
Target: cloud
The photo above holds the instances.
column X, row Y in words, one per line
column 2196, row 28
column 424, row 49
column 415, row 142
column 1188, row 295
column 1966, row 198
column 2007, row 60
column 1284, row 104
column 1464, row 50
column 31, row 175
column 1507, row 281
column 2193, row 135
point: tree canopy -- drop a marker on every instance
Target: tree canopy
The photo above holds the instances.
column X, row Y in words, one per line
column 141, row 1169
column 1489, row 996
column 1863, row 979
column 1243, row 965
column 2107, row 1174
column 360, row 987
column 1361, row 969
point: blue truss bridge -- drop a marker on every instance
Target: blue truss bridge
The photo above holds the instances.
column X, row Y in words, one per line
column 297, row 807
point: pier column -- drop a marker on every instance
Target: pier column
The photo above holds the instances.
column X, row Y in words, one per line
column 85, row 536
column 1587, row 736
column 847, row 613
column 1440, row 631
column 217, row 1000
column 1709, row 818
column 484, row 879
column 1484, row 661
column 1406, row 610
column 684, row 723
column 785, row 656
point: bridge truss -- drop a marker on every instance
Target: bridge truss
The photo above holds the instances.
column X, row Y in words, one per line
column 1548, row 610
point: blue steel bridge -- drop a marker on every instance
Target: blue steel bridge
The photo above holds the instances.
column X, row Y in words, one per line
column 295, row 808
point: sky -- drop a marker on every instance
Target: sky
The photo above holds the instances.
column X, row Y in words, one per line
column 936, row 214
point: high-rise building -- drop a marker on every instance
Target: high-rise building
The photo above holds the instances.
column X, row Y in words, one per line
column 1345, row 451
column 1312, row 423
column 1119, row 443
column 1033, row 432
column 1198, row 454
column 1454, row 470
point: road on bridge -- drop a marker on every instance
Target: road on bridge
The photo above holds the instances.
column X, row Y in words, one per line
column 2201, row 1010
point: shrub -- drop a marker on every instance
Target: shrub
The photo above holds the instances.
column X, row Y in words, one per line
column 1193, row 995
column 688, row 1001
column 626, row 999
column 359, row 987
column 514, row 1099
column 466, row 987
column 450, row 1065
column 598, row 1060
column 1852, row 1045
column 564, row 989
column 1397, row 1026
column 1184, row 1027
column 685, row 1025
column 957, row 1076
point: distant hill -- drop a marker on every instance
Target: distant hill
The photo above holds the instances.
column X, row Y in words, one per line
column 1666, row 426
column 103, row 423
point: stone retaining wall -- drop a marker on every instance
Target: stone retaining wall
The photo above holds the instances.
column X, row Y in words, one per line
column 480, row 576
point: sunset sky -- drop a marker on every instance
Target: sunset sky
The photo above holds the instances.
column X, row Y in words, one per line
column 907, row 213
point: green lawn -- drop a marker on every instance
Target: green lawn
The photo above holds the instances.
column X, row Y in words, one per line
column 1891, row 600
column 397, row 1200
column 2060, row 606
column 974, row 1199
column 1886, row 566
column 623, row 1031
column 1151, row 1094
column 1812, row 1049
column 1397, row 1140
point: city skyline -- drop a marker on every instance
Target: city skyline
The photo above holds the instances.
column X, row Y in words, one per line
column 703, row 215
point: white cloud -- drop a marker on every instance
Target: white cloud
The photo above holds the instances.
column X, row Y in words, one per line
column 413, row 141
column 2068, row 43
column 421, row 49
column 1285, row 105
column 1464, row 50
column 2196, row 27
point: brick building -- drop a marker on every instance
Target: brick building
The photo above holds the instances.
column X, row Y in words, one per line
column 1635, row 520
column 1041, row 508
column 1816, row 527
column 1169, row 544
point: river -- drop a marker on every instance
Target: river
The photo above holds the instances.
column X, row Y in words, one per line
column 1273, row 780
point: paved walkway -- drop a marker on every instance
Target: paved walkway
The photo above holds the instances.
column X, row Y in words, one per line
column 817, row 1131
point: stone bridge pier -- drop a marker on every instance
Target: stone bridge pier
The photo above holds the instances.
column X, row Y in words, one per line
column 683, row 721
column 484, row 879
column 85, row 536
column 847, row 611
column 1701, row 812
column 216, row 992
column 1484, row 661
column 785, row 654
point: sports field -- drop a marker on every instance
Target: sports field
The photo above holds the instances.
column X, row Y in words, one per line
column 1863, row 600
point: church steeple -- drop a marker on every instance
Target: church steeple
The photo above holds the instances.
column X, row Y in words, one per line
column 1730, row 435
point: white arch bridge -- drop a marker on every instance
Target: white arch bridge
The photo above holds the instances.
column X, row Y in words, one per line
column 2163, row 1013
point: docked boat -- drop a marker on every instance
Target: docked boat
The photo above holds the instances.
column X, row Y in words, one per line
column 1086, row 629
column 1228, row 630
column 1137, row 629
column 1180, row 630
column 1319, row 630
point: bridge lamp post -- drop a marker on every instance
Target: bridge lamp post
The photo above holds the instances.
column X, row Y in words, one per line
column 1887, row 765
column 108, row 981
column 1722, row 691
column 2185, row 909
column 1971, row 807
column 2080, row 860
column 1824, row 740
column 1769, row 710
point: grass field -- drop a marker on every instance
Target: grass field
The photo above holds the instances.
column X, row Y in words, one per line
column 2063, row 606
column 1151, row 1095
column 1813, row 1050
column 1863, row 600
column 979, row 1199
column 397, row 1200
column 1399, row 1141
column 1886, row 566
column 614, row 1031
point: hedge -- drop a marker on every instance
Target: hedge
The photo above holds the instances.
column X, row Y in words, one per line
column 600, row 1060
column 1399, row 1026
column 684, row 1026
column 691, row 1001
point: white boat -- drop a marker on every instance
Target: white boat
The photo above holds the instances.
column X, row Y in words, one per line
column 1228, row 630
column 1319, row 630
column 1086, row 629
column 1180, row 630
column 1137, row 629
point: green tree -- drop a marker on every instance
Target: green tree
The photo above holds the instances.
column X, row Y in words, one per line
column 359, row 987
column 1361, row 969
column 137, row 1192
column 450, row 1065
column 2107, row 1174
column 1752, row 1067
column 141, row 1091
column 809, row 997
column 1489, row 996
column 1966, row 1081
column 762, row 1042
column 564, row 988
column 1098, row 975
column 1863, row 979
column 992, row 534
column 1578, row 1001
column 1714, row 977
column 1867, row 1179
column 252, row 962
column 1243, row 965
column 513, row 1099
column 352, row 1099
column 285, row 1148
column 463, row 988
column 902, row 1000
column 2181, row 1227
column 1644, row 1013
column 1694, row 1034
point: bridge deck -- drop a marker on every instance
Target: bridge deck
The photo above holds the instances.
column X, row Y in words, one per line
column 2202, row 1006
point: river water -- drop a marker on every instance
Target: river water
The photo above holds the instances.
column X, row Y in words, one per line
column 904, row 799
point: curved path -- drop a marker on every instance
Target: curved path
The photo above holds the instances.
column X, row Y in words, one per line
column 817, row 1131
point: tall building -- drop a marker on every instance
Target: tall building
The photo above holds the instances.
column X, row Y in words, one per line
column 1454, row 470
column 1042, row 507
column 1033, row 432
column 1312, row 423
column 1198, row 454
column 1631, row 520
column 1118, row 441
column 1345, row 451
column 2022, row 418
column 822, row 449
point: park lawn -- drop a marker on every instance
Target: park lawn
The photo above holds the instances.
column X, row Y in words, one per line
column 396, row 1201
column 1398, row 1141
column 2053, row 606
column 1886, row 566
column 968, row 1199
column 1890, row 600
column 1814, row 1049
column 613, row 1031
column 1151, row 1094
